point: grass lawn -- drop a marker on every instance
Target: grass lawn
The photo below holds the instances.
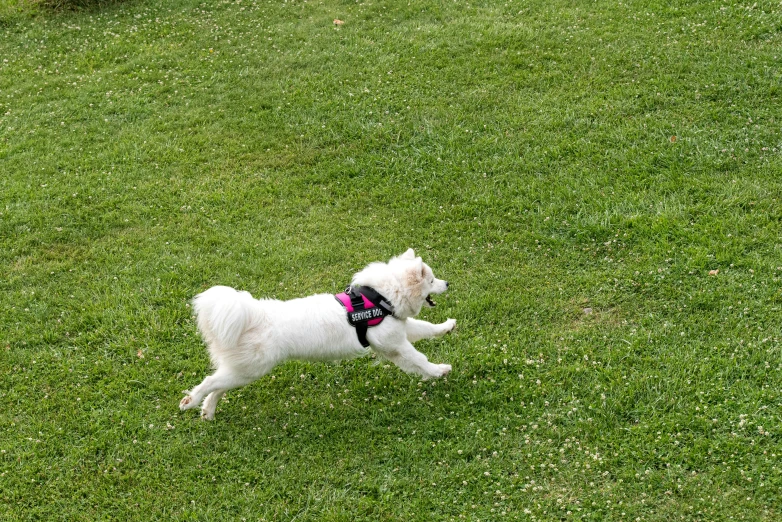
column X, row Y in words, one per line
column 576, row 170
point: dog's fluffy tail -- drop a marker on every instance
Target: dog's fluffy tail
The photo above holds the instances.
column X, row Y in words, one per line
column 223, row 314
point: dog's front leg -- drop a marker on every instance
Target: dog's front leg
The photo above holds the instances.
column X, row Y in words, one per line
column 411, row 360
column 417, row 330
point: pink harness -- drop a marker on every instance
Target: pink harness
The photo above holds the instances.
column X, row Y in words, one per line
column 365, row 308
column 344, row 298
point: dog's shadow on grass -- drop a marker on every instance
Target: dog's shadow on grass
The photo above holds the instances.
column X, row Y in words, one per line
column 308, row 421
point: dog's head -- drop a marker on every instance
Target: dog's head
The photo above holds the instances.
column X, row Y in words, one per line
column 405, row 280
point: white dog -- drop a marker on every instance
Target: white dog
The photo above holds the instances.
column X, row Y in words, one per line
column 246, row 337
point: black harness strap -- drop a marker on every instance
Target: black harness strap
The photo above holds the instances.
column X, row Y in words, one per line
column 358, row 305
column 376, row 299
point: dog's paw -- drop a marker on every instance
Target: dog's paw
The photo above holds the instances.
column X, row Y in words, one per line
column 207, row 415
column 186, row 403
column 444, row 369
column 449, row 325
column 436, row 370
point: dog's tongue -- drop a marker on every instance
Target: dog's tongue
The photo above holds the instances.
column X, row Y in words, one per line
column 429, row 301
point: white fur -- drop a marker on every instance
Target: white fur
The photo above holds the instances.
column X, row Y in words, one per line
column 246, row 337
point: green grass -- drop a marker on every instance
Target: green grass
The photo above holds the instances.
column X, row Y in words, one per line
column 543, row 156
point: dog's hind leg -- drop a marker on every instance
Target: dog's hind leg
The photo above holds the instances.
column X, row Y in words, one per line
column 222, row 380
column 210, row 404
column 417, row 329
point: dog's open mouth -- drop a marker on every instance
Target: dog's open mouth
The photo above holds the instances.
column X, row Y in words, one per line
column 429, row 301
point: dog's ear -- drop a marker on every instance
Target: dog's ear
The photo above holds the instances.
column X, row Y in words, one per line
column 410, row 254
column 415, row 276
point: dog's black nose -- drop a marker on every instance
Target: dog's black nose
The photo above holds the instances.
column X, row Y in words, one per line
column 446, row 284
